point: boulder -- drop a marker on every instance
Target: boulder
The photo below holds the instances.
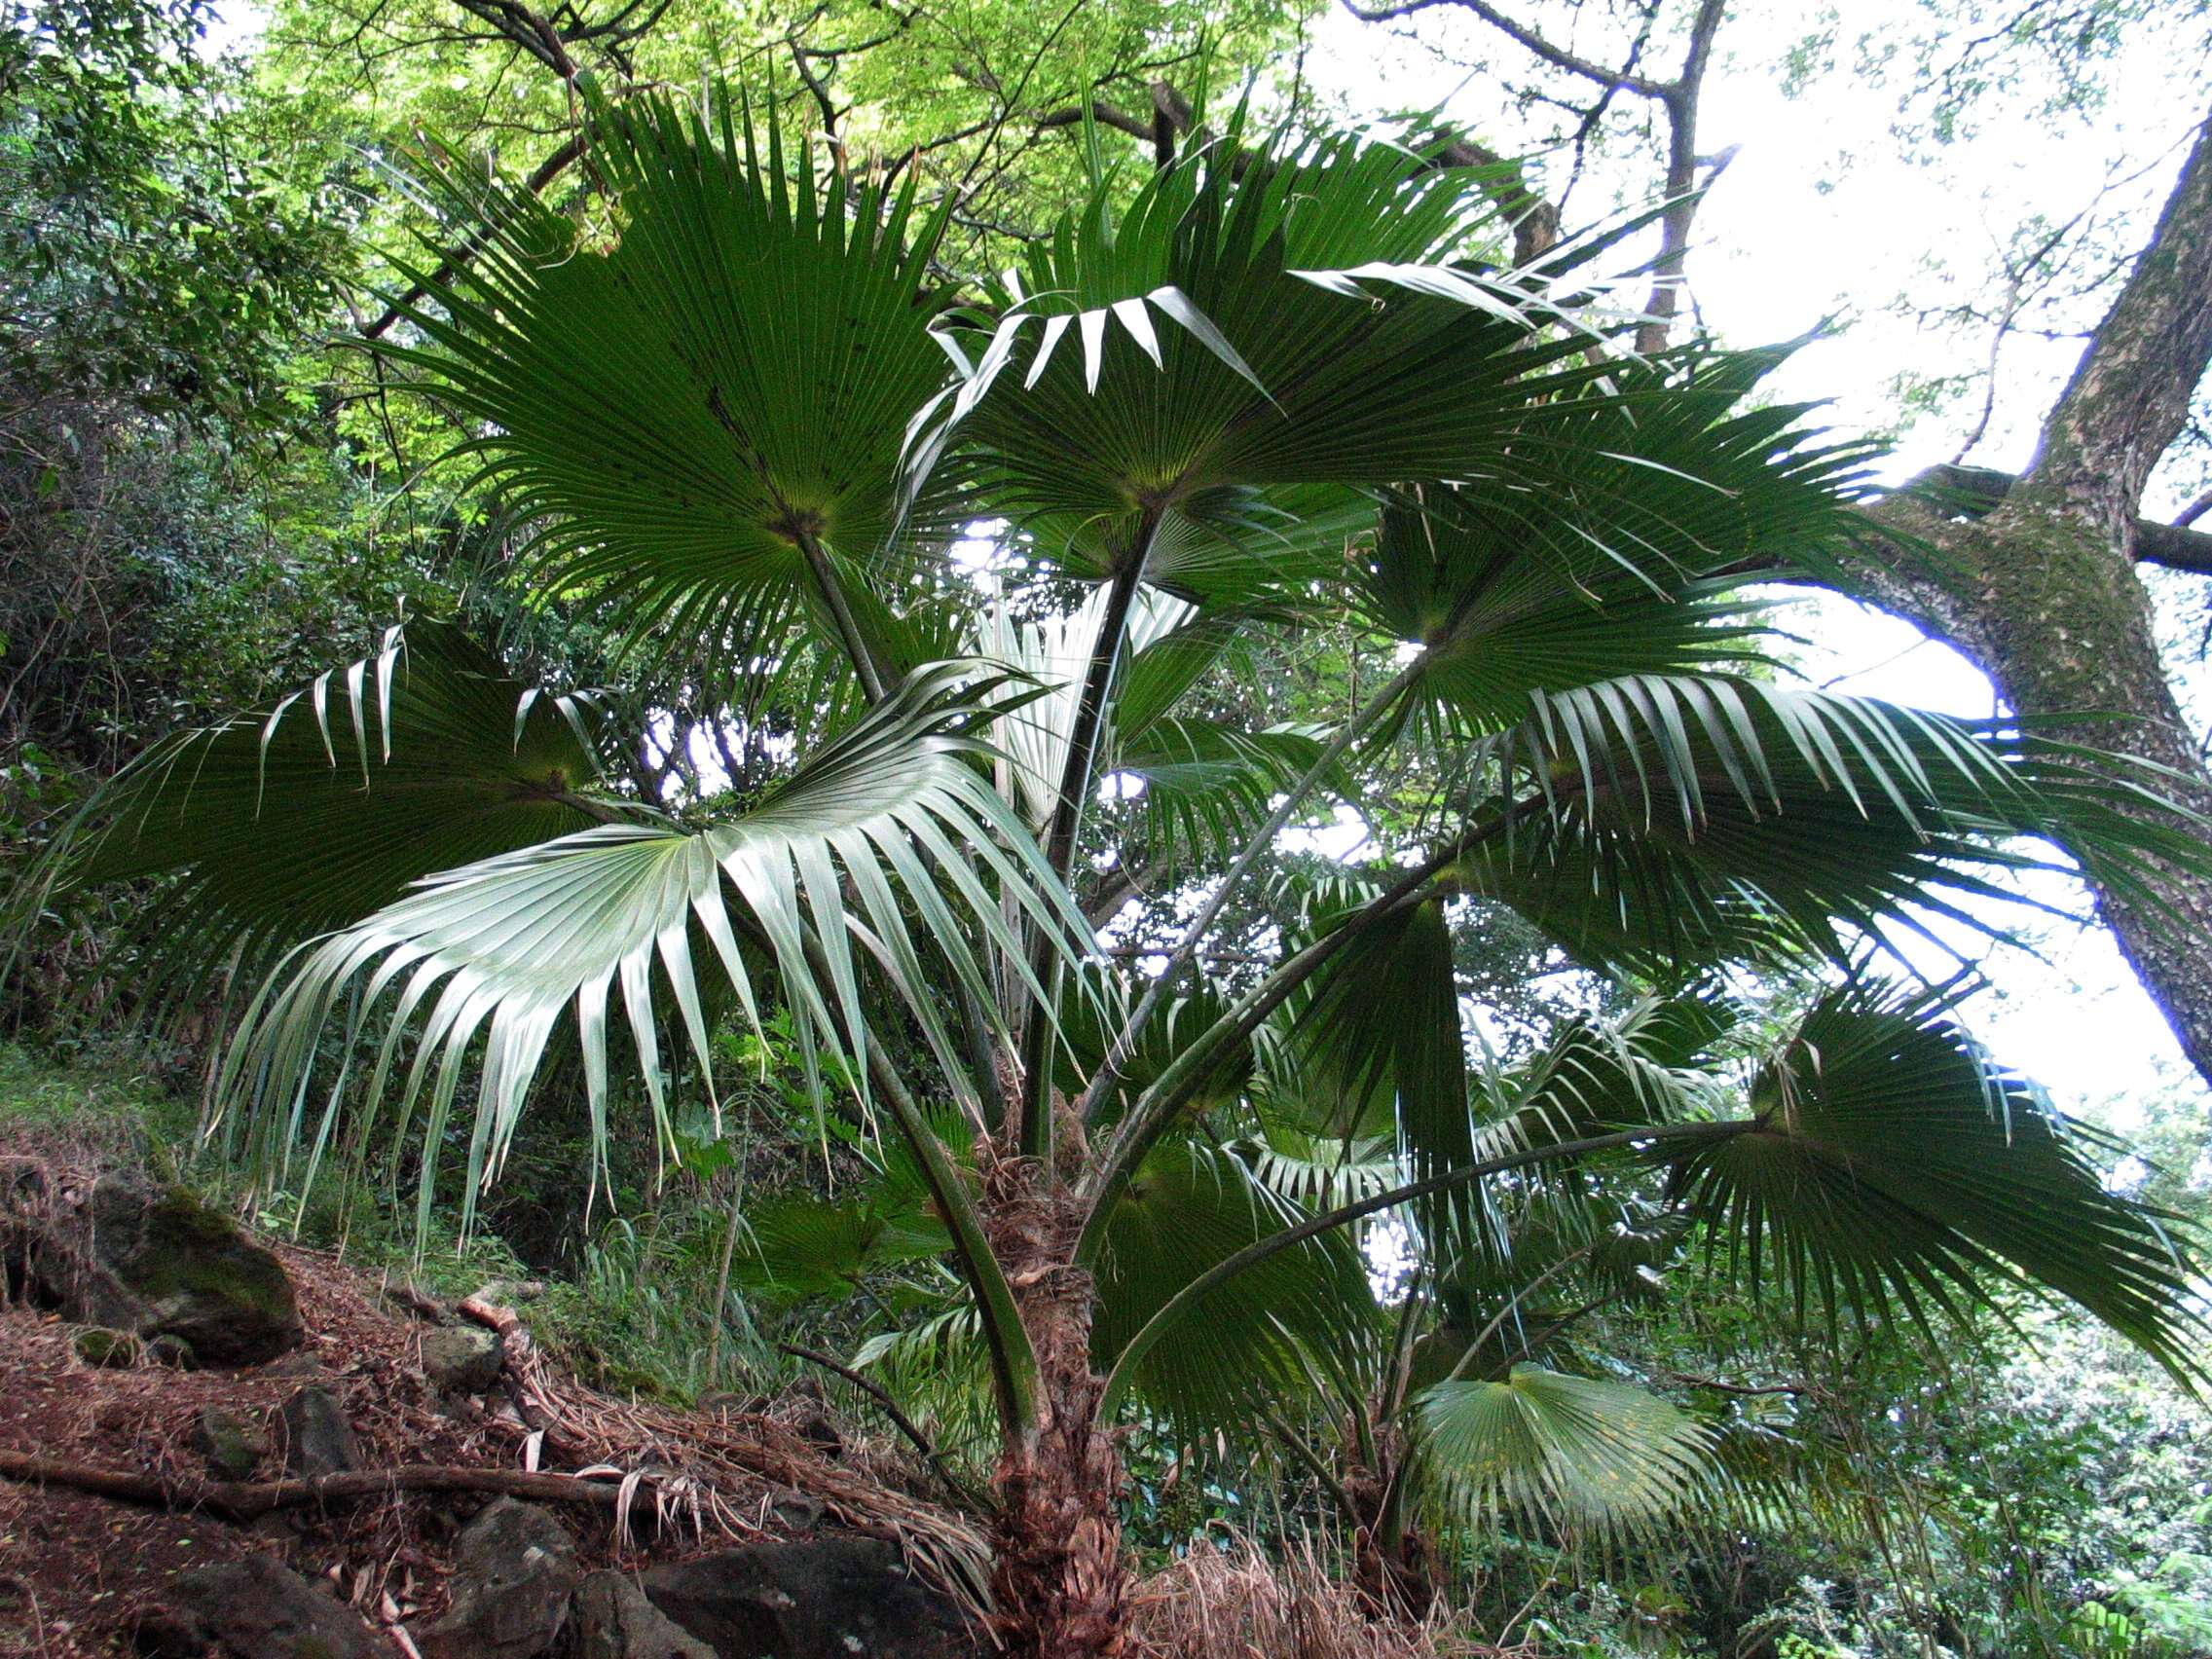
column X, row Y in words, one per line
column 610, row 1618
column 155, row 1261
column 317, row 1438
column 405, row 1296
column 462, row 1359
column 513, row 1572
column 232, row 1446
column 113, row 1350
column 254, row 1609
column 828, row 1595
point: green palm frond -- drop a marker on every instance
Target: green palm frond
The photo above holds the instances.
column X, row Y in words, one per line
column 1258, row 325
column 1777, row 1467
column 1671, row 820
column 280, row 826
column 1593, row 1076
column 936, row 1367
column 509, row 948
column 1230, row 550
column 1574, row 1455
column 1267, row 1335
column 799, row 1246
column 1204, row 786
column 1094, row 1012
column 1630, row 567
column 688, row 414
column 1896, row 1165
column 1384, row 1021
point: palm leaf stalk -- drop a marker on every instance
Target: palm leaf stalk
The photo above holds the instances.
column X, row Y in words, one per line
column 1263, row 393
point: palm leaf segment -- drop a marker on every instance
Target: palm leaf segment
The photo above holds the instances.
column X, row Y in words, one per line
column 681, row 413
column 831, row 860
column 1197, row 783
column 282, row 825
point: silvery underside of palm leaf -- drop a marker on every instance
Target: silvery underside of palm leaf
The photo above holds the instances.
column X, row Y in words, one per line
column 1264, row 396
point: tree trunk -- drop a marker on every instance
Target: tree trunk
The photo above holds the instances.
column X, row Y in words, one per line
column 1060, row 1579
column 2045, row 595
column 2065, row 627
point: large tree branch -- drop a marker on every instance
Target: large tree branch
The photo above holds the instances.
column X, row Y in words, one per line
column 1679, row 98
column 1558, row 56
column 2128, row 400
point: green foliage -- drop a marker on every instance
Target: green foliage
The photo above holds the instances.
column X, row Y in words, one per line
column 153, row 246
column 980, row 589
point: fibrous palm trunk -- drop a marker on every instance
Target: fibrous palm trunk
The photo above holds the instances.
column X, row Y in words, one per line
column 1060, row 1582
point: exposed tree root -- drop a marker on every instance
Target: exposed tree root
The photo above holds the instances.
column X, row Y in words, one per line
column 241, row 1501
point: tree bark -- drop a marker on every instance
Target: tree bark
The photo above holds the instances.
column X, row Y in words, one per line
column 2044, row 594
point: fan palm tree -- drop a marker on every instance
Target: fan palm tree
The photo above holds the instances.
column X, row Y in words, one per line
column 1262, row 395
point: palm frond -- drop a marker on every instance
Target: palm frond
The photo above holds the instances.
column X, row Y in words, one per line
column 1056, row 653
column 1896, row 1165
column 1307, row 1312
column 1094, row 1013
column 833, row 859
column 1574, row 1455
column 1672, row 821
column 1204, row 786
column 273, row 828
column 1318, row 1172
column 1252, row 327
column 798, row 1245
column 680, row 414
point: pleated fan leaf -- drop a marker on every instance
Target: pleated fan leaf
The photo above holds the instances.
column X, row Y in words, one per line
column 680, row 411
column 510, row 949
column 1668, row 822
column 1573, row 1455
column 1260, row 1338
column 1896, row 1167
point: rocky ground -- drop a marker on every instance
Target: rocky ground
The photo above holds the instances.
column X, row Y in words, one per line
column 215, row 1445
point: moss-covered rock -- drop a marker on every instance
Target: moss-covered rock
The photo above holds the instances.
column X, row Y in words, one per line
column 462, row 1359
column 158, row 1263
column 233, row 1447
column 113, row 1349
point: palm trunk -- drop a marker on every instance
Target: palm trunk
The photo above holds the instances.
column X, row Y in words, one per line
column 1061, row 1581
